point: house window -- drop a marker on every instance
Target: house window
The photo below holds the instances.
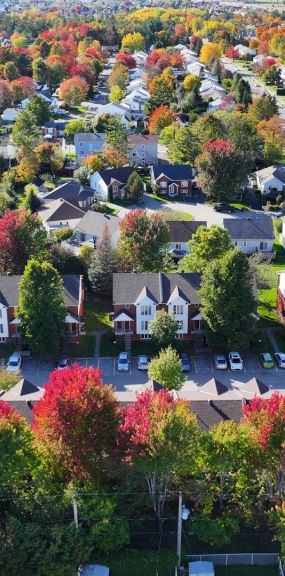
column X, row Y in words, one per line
column 145, row 336
column 245, row 243
column 144, row 325
column 178, row 309
column 179, row 336
column 184, row 183
column 0, row 312
column 145, row 310
column 163, row 184
column 184, row 190
column 177, row 246
column 180, row 325
column 1, row 328
column 2, row 339
column 134, row 154
column 197, row 324
column 127, row 306
column 263, row 245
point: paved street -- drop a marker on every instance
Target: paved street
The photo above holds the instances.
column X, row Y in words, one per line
column 203, row 370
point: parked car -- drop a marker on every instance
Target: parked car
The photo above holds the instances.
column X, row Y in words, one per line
column 142, row 363
column 62, row 363
column 220, row 362
column 235, row 361
column 266, row 360
column 185, row 362
column 123, row 362
column 279, row 358
column 223, row 208
column 14, row 362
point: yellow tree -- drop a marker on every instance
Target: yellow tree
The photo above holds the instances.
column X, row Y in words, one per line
column 133, row 42
column 210, row 51
column 191, row 82
column 116, row 94
column 93, row 163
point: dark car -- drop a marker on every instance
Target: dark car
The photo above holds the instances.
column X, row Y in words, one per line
column 185, row 362
column 223, row 208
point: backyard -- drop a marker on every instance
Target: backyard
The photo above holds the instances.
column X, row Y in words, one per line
column 267, row 288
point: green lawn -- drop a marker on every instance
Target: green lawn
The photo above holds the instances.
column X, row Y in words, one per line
column 97, row 315
column 268, row 288
column 246, row 571
column 175, row 215
column 238, row 206
column 109, row 346
column 84, row 349
column 140, row 563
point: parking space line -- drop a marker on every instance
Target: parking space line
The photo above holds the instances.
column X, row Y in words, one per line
column 211, row 364
column 38, row 368
column 130, row 367
column 114, row 367
column 195, row 365
column 98, row 362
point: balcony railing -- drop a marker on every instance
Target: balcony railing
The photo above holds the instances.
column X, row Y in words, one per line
column 122, row 332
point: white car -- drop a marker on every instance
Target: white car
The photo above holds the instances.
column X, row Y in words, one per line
column 142, row 363
column 280, row 359
column 123, row 362
column 14, row 362
column 220, row 362
column 62, row 363
column 235, row 361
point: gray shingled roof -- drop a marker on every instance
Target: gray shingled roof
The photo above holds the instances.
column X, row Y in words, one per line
column 183, row 230
column 95, row 222
column 271, row 172
column 249, row 228
column 57, row 210
column 70, row 189
column 128, row 286
column 209, row 414
column 9, row 290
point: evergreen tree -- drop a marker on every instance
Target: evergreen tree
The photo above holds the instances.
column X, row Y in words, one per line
column 135, row 187
column 183, row 148
column 103, row 265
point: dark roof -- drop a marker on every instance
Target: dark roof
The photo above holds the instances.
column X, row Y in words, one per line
column 210, row 413
column 61, row 209
column 173, row 171
column 9, row 290
column 94, row 223
column 182, row 230
column 59, row 125
column 119, row 174
column 143, row 139
column 250, row 228
column 127, row 287
column 68, row 190
column 25, row 408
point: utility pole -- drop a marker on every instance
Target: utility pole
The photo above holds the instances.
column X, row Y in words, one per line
column 179, row 529
column 75, row 511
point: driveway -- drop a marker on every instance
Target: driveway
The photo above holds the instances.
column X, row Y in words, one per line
column 197, row 207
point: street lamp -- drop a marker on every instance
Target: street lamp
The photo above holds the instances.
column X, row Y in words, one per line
column 183, row 514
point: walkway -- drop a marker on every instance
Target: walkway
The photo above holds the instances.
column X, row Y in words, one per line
column 270, row 333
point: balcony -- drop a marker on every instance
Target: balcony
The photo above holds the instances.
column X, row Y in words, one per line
column 123, row 331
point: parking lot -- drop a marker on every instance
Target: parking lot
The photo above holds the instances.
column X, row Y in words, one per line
column 202, row 369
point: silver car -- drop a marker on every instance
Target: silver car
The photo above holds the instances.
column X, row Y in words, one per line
column 280, row 359
column 142, row 363
column 123, row 362
column 220, row 362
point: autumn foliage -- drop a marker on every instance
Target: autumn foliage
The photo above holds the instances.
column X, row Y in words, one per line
column 160, row 118
column 77, row 420
column 126, row 59
column 266, row 420
column 73, row 90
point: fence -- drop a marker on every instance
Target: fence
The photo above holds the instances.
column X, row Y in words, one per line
column 246, row 559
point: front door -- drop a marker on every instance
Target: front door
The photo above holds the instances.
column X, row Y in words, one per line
column 172, row 190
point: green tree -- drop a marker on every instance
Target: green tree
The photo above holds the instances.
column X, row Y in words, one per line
column 40, row 70
column 272, row 75
column 11, row 72
column 207, row 244
column 183, row 147
column 32, row 201
column 102, row 265
column 119, row 76
column 39, row 108
column 225, row 306
column 74, row 127
column 41, row 307
column 8, row 379
column 62, row 234
column 166, row 369
column 273, row 153
column 135, row 187
column 163, row 328
column 116, row 94
column 193, row 102
column 208, row 127
column 243, row 92
column 25, row 131
column 263, row 108
column 117, row 136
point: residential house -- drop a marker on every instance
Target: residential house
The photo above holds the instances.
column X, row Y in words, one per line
column 89, row 231
column 281, row 296
column 251, row 234
column 73, row 294
column 88, row 143
column 136, row 73
column 111, row 181
column 136, row 100
column 244, row 50
column 137, row 84
column 60, row 213
column 55, row 128
column 195, row 68
column 210, row 89
column 172, row 179
column 260, row 60
column 271, row 180
column 46, row 95
column 140, row 57
column 138, row 296
column 115, row 109
column 10, row 114
column 181, row 231
column 143, row 149
column 78, row 194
